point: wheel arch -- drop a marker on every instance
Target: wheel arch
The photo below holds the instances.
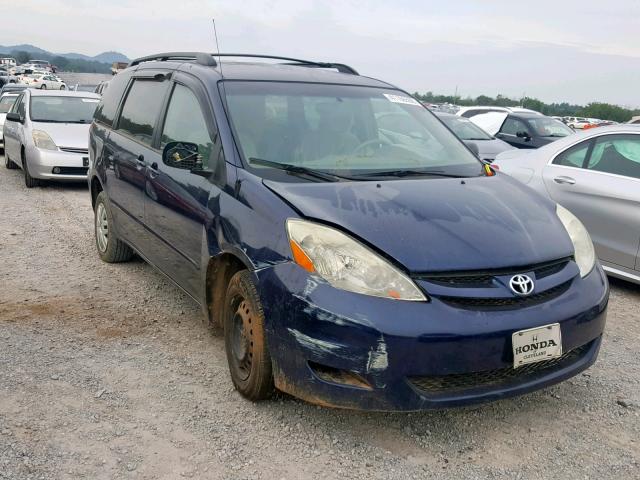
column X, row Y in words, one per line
column 96, row 188
column 220, row 269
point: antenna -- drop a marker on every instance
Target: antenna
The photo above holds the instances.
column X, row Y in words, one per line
column 215, row 35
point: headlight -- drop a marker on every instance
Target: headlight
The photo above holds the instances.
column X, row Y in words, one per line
column 347, row 264
column 585, row 255
column 43, row 140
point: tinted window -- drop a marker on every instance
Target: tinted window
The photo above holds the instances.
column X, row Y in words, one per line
column 185, row 122
column 106, row 111
column 574, row 156
column 141, row 109
column 618, row 154
column 512, row 126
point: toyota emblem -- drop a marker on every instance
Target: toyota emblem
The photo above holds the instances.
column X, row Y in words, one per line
column 521, row 285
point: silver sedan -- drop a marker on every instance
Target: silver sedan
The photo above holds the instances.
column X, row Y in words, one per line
column 47, row 135
column 596, row 175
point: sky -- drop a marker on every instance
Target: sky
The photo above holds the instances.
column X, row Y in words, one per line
column 561, row 50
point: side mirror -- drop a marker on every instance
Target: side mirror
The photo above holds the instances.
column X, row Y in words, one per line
column 14, row 117
column 474, row 148
column 523, row 135
column 184, row 155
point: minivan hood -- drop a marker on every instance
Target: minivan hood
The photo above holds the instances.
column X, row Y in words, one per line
column 431, row 225
column 73, row 135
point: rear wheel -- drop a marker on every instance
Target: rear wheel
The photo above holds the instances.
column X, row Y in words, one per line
column 43, row 87
column 29, row 181
column 110, row 248
column 62, row 87
column 245, row 339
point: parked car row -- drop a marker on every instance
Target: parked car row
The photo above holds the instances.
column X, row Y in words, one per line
column 351, row 244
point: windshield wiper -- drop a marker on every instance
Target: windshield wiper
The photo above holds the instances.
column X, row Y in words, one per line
column 410, row 173
column 298, row 170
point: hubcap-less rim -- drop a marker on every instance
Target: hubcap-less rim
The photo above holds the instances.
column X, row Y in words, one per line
column 102, row 228
column 242, row 339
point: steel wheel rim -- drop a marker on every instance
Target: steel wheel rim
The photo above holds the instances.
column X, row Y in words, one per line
column 242, row 339
column 102, row 228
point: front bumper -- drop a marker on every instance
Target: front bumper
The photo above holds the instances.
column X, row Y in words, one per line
column 73, row 166
column 396, row 349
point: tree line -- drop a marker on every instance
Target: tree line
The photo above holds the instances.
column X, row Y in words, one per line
column 604, row 111
column 63, row 63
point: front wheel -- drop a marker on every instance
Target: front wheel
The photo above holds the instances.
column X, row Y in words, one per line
column 110, row 248
column 62, row 87
column 43, row 87
column 29, row 181
column 245, row 339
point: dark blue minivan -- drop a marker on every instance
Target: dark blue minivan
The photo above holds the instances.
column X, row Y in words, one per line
column 355, row 252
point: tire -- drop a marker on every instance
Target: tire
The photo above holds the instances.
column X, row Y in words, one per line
column 8, row 163
column 62, row 87
column 110, row 248
column 43, row 87
column 29, row 181
column 245, row 339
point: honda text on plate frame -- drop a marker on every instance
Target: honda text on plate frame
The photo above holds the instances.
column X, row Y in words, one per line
column 337, row 231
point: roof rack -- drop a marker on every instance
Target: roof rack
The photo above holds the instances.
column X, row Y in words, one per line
column 209, row 60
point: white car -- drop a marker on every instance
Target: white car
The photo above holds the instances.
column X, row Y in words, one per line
column 469, row 112
column 46, row 133
column 6, row 103
column 577, row 123
column 44, row 82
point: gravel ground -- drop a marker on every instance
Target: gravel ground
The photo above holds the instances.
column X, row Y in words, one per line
column 107, row 371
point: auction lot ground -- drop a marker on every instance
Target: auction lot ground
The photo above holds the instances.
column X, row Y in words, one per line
column 106, row 371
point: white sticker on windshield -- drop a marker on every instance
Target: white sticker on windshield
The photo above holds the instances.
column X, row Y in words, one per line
column 401, row 99
column 90, row 100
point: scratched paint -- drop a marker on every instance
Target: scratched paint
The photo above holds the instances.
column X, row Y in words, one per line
column 314, row 343
column 378, row 360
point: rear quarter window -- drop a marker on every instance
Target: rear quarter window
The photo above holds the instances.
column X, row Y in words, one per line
column 106, row 111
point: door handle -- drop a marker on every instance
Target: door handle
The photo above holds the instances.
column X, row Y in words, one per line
column 140, row 160
column 154, row 166
column 562, row 180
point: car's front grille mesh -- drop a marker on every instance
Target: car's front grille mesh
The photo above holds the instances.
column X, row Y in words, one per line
column 479, row 279
column 75, row 150
column 506, row 303
column 462, row 381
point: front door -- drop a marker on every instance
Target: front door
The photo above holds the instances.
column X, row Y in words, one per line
column 599, row 181
column 177, row 211
column 128, row 151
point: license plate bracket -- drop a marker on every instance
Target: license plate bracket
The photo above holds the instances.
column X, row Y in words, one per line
column 536, row 344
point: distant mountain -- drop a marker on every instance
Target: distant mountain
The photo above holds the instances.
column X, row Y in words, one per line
column 105, row 57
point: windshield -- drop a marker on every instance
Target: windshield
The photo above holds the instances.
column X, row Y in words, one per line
column 465, row 129
column 62, row 109
column 6, row 102
column 549, row 127
column 343, row 130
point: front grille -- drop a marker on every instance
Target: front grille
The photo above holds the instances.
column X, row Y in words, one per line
column 506, row 303
column 493, row 378
column 70, row 170
column 84, row 151
column 484, row 278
